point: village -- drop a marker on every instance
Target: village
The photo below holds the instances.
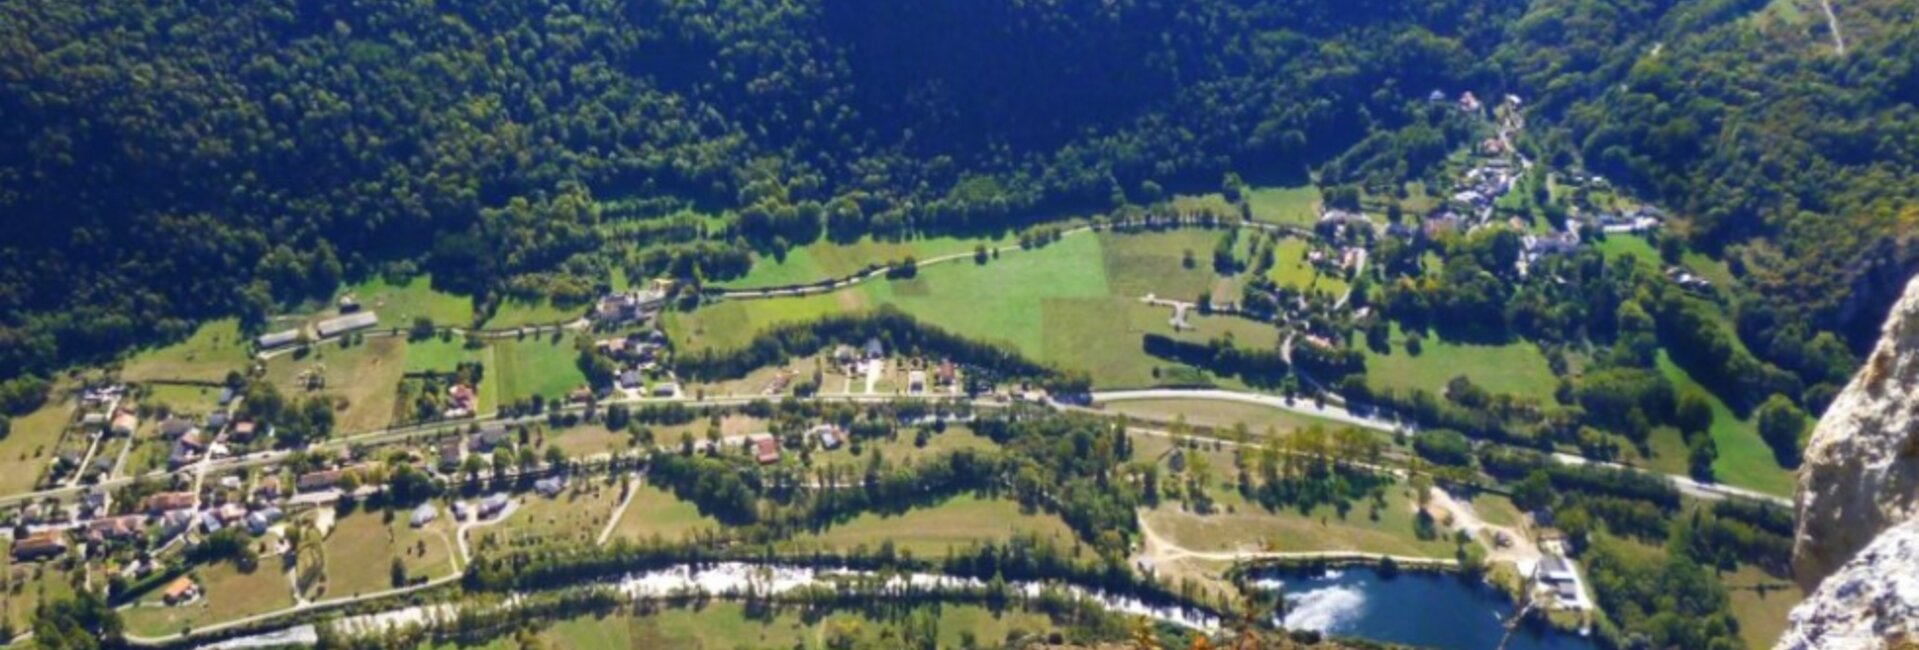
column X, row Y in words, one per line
column 471, row 439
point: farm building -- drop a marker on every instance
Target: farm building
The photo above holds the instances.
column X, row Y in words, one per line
column 347, row 323
column 423, row 515
column 550, row 487
column 494, row 504
column 273, row 340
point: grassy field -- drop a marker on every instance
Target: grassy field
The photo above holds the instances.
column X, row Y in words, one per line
column 929, row 532
column 1293, row 205
column 756, row 382
column 399, row 304
column 1761, row 615
column 365, row 376
column 822, row 260
column 1641, row 250
column 535, row 366
column 1003, row 300
column 728, row 625
column 1669, row 452
column 25, row 452
column 180, row 398
column 214, row 350
column 1102, row 337
column 434, row 354
column 360, row 545
column 572, row 519
column 731, row 324
column 1496, row 510
column 520, row 313
column 1744, row 458
column 587, row 440
column 955, row 438
column 1250, row 527
column 1514, row 368
column 1074, row 303
column 1222, row 415
column 229, row 594
column 1139, row 264
column 36, row 582
column 657, row 512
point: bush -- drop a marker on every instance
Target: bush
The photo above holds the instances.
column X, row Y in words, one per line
column 1781, row 424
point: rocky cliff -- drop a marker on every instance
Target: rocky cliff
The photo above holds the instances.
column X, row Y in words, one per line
column 1859, row 481
column 1871, row 602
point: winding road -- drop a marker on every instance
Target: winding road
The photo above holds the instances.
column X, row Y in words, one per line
column 1832, row 22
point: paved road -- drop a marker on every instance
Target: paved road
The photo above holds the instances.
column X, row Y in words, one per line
column 393, row 434
column 1329, row 411
column 1157, row 548
column 1832, row 21
column 1686, row 484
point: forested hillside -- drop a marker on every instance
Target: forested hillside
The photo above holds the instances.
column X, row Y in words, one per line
column 1793, row 160
column 167, row 161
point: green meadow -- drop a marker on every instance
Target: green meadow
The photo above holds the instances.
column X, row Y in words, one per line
column 1517, row 368
column 399, row 304
column 536, row 366
column 825, row 259
column 1744, row 458
column 1075, row 302
column 1297, row 205
column 214, row 350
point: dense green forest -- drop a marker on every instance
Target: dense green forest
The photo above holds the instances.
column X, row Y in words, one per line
column 1791, row 160
column 167, row 161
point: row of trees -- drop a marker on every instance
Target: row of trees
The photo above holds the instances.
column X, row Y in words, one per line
column 894, row 329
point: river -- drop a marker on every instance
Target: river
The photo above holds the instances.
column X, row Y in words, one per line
column 736, row 578
column 1436, row 611
column 1426, row 610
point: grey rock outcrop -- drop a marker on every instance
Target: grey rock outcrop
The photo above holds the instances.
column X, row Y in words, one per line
column 1856, row 550
column 1871, row 602
column 1861, row 471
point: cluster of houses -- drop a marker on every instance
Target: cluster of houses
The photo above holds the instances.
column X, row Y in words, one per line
column 1536, row 246
column 636, row 354
column 1337, row 260
column 101, row 414
column 633, row 306
column 1484, row 184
